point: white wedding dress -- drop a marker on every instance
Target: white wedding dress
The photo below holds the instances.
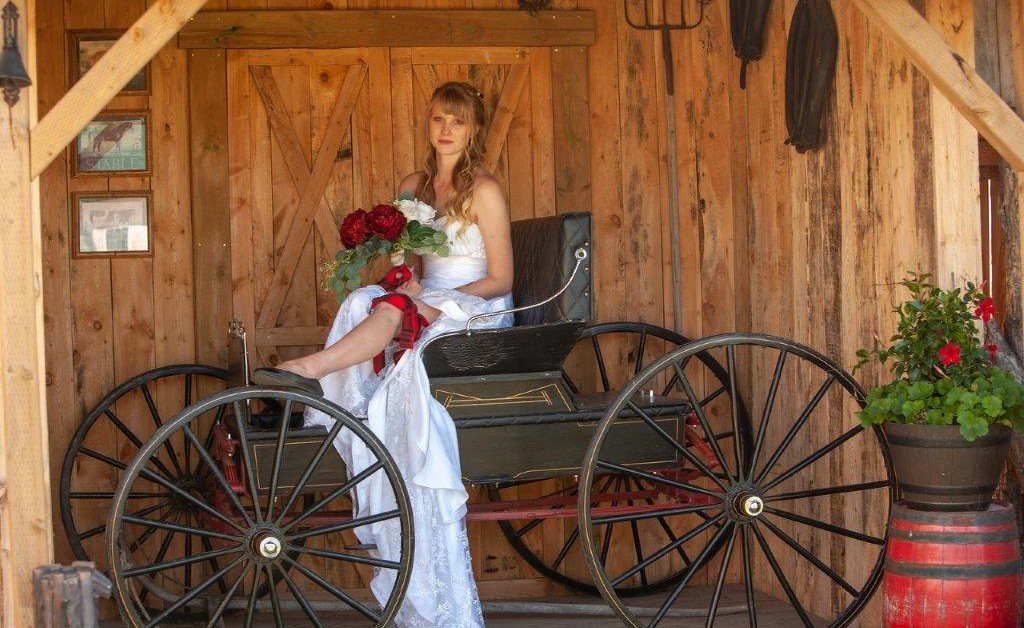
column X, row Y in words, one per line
column 420, row 435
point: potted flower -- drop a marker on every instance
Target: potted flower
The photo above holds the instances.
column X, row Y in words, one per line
column 948, row 412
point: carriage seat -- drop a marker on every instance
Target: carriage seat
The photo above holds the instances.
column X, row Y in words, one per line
column 544, row 258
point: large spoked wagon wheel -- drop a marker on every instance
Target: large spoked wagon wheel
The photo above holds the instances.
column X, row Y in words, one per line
column 270, row 519
column 796, row 524
column 605, row 358
column 110, row 436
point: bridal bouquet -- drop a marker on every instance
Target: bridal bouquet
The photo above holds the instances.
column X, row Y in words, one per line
column 389, row 228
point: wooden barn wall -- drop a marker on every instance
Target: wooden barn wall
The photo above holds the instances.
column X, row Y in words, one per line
column 804, row 246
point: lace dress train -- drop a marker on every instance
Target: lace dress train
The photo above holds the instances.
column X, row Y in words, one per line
column 420, row 435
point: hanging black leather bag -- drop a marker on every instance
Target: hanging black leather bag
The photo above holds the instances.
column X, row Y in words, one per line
column 746, row 21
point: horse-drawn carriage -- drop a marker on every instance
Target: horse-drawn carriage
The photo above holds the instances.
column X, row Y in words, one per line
column 708, row 477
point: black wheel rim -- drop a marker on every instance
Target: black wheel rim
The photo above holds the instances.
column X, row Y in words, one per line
column 290, row 546
column 613, row 353
column 109, row 437
column 773, row 520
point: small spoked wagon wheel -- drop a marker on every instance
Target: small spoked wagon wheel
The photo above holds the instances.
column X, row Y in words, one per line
column 794, row 524
column 109, row 437
column 605, row 358
column 266, row 525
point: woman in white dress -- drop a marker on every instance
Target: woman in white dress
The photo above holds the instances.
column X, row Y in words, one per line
column 475, row 278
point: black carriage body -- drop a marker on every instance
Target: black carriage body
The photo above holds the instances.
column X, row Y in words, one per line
column 518, row 415
column 300, row 447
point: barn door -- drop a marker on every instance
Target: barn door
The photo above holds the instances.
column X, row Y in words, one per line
column 317, row 134
column 310, row 139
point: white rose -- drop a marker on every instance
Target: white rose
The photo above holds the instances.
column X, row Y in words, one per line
column 416, row 210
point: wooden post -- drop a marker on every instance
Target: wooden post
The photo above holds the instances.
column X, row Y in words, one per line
column 26, row 525
column 954, row 158
column 1013, row 197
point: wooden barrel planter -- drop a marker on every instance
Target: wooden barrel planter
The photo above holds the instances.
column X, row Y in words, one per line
column 938, row 470
column 952, row 569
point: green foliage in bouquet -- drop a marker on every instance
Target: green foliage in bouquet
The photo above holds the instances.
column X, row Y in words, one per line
column 943, row 373
column 387, row 229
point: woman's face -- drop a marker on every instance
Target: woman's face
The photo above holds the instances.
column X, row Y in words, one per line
column 449, row 134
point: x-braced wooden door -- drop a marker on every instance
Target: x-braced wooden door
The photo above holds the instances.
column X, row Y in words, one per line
column 315, row 134
column 310, row 139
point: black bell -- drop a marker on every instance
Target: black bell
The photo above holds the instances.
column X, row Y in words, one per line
column 13, row 76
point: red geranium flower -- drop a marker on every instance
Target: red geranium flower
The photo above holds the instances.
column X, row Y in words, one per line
column 992, row 349
column 384, row 221
column 353, row 230
column 986, row 309
column 949, row 354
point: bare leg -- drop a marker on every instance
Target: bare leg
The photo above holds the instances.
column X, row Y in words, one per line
column 366, row 340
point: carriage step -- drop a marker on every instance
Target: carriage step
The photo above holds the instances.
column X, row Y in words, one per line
column 361, row 546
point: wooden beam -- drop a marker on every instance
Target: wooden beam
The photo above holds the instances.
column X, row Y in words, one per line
column 26, row 522
column 92, row 92
column 413, row 28
column 951, row 75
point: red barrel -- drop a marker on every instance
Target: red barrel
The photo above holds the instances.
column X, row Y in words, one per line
column 952, row 569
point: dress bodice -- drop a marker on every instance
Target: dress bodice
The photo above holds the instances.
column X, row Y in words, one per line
column 466, row 261
column 468, row 243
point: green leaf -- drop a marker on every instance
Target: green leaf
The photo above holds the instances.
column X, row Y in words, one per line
column 992, row 405
column 972, row 426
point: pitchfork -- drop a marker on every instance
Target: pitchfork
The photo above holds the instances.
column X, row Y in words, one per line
column 660, row 22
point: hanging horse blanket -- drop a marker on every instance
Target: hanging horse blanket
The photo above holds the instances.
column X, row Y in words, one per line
column 810, row 70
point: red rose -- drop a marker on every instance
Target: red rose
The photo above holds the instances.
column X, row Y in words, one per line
column 992, row 350
column 386, row 222
column 949, row 354
column 353, row 230
column 986, row 309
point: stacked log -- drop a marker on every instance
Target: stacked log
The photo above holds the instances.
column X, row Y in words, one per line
column 66, row 596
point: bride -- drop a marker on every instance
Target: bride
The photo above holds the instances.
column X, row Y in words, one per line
column 475, row 278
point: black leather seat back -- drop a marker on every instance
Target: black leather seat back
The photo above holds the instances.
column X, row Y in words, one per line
column 544, row 252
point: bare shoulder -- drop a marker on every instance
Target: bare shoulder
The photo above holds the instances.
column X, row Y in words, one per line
column 488, row 199
column 412, row 182
column 485, row 183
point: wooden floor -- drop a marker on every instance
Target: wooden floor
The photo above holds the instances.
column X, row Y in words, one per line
column 588, row 612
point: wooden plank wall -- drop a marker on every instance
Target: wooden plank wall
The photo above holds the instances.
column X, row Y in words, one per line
column 804, row 246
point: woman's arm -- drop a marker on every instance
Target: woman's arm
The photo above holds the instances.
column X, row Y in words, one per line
column 491, row 214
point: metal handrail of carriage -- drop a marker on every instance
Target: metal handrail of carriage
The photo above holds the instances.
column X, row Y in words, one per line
column 581, row 256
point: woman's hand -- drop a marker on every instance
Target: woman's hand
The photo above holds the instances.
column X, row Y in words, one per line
column 412, row 287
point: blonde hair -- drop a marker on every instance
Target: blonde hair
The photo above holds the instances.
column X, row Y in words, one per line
column 463, row 101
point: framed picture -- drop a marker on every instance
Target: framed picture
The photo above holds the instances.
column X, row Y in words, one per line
column 112, row 223
column 113, row 143
column 86, row 48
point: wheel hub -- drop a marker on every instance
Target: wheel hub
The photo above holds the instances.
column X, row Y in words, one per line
column 266, row 545
column 752, row 506
column 270, row 547
column 745, row 503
